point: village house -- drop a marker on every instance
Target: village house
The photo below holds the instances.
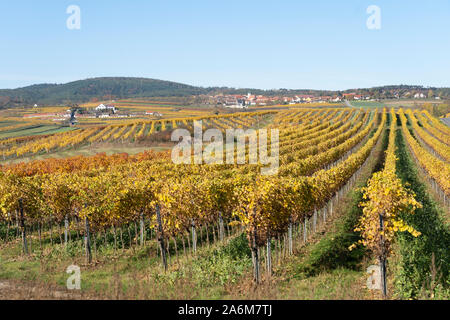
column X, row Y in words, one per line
column 336, row 99
column 419, row 95
column 108, row 107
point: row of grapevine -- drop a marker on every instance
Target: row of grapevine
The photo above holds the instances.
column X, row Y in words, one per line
column 437, row 124
column 432, row 130
column 442, row 150
column 437, row 169
column 323, row 135
column 385, row 200
column 328, row 155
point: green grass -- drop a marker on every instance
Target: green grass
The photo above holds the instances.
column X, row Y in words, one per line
column 337, row 284
column 134, row 272
column 34, row 130
column 8, row 123
column 414, row 272
column 367, row 104
column 332, row 252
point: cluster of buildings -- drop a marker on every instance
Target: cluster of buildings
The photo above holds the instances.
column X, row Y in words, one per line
column 244, row 101
column 101, row 111
column 354, row 96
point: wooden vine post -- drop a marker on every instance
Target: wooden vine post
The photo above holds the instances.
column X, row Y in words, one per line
column 221, row 227
column 7, row 231
column 141, row 229
column 22, row 227
column 17, row 223
column 161, row 237
column 87, row 240
column 269, row 257
column 255, row 257
column 194, row 237
column 315, row 220
column 383, row 259
column 305, row 231
column 290, row 246
column 66, row 228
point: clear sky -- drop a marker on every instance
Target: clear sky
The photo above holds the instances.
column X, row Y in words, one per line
column 321, row 44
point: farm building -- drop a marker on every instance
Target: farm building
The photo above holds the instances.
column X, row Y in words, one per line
column 108, row 107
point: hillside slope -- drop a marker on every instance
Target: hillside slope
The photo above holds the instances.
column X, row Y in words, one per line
column 84, row 90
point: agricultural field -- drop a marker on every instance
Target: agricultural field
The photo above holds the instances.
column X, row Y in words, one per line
column 367, row 104
column 353, row 188
column 35, row 140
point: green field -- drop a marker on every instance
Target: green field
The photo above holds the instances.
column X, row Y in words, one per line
column 34, row 130
column 8, row 123
column 367, row 104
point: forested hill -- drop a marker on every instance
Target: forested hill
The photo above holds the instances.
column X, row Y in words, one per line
column 84, row 90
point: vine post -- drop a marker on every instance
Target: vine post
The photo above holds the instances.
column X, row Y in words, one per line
column 141, row 228
column 221, row 228
column 255, row 257
column 269, row 257
column 194, row 237
column 161, row 237
column 87, row 241
column 382, row 259
column 290, row 246
column 66, row 228
column 22, row 227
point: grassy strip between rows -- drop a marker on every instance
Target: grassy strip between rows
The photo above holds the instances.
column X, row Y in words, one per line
column 332, row 251
column 421, row 264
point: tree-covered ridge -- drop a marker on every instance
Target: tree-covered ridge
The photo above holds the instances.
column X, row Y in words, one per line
column 84, row 90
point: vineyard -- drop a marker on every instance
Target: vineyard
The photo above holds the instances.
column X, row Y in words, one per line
column 18, row 147
column 104, row 207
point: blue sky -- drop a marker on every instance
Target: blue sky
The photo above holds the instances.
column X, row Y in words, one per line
column 320, row 44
